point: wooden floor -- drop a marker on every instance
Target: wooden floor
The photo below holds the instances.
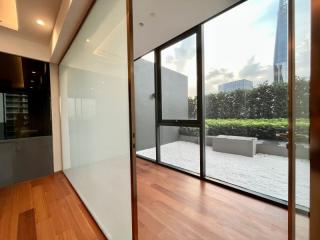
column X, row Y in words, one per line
column 46, row 208
column 172, row 205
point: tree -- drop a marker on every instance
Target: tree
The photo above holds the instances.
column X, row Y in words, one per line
column 265, row 101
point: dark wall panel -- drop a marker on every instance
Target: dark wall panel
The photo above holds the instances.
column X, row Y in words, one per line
column 25, row 119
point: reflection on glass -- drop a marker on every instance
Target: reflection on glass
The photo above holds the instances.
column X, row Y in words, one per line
column 179, row 80
column 95, row 117
column 25, row 119
column 246, row 87
column 145, row 106
column 180, row 147
column 302, row 69
column 24, row 97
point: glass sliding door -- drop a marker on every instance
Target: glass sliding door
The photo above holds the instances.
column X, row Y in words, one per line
column 302, row 118
column 223, row 103
column 145, row 107
column 95, row 117
column 246, row 92
column 179, row 117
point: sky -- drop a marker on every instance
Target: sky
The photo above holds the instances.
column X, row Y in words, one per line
column 239, row 44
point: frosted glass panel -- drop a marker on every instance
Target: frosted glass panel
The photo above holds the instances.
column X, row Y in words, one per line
column 95, row 117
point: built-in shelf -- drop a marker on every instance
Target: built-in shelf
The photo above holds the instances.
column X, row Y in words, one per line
column 16, row 105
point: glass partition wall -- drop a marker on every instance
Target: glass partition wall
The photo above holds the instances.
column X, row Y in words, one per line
column 95, row 117
column 246, row 83
column 221, row 103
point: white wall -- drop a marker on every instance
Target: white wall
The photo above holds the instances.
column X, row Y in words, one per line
column 95, row 117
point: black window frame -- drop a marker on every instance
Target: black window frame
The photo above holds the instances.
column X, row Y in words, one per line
column 169, row 122
column 197, row 123
column 200, row 121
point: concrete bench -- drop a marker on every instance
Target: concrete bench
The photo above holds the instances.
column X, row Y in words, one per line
column 245, row 146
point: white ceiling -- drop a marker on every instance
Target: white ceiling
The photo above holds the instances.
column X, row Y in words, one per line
column 21, row 35
column 165, row 19
column 27, row 12
column 162, row 20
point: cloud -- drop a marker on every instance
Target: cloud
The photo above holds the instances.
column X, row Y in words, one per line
column 216, row 77
column 218, row 73
column 256, row 72
column 252, row 70
column 183, row 54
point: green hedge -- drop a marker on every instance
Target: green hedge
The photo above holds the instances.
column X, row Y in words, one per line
column 261, row 128
column 264, row 101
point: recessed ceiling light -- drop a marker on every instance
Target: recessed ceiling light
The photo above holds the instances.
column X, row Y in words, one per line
column 34, row 72
column 32, row 81
column 40, row 22
column 87, row 40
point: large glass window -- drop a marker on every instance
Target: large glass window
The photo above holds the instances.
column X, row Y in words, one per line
column 179, row 80
column 180, row 147
column 179, row 143
column 246, row 102
column 246, row 98
column 246, row 87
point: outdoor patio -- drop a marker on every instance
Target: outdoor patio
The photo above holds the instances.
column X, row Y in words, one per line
column 263, row 173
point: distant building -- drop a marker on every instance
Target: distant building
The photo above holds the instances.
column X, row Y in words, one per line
column 280, row 61
column 234, row 85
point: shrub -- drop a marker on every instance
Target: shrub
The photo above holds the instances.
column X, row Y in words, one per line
column 266, row 129
column 263, row 101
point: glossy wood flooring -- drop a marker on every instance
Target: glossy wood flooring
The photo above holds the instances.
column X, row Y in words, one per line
column 46, row 208
column 172, row 205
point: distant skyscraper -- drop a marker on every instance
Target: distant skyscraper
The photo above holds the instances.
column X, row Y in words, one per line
column 234, row 85
column 280, row 63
